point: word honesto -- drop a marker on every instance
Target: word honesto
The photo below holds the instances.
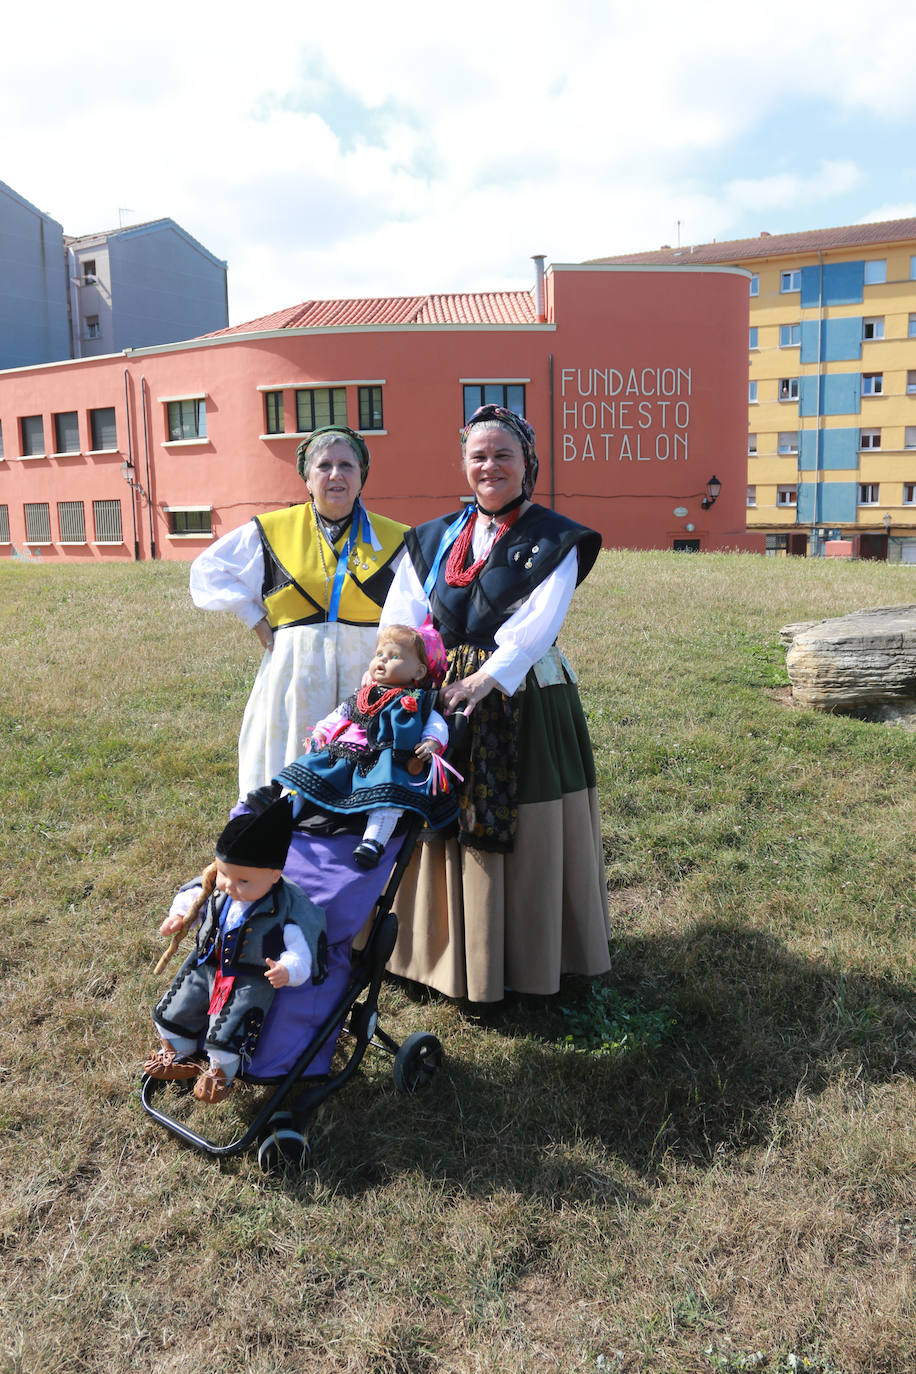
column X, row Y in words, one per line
column 659, row 425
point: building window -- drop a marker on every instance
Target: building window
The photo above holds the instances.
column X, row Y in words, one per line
column 876, row 271
column 789, row 335
column 370, row 407
column 752, row 446
column 66, row 432
column 869, row 438
column 786, row 496
column 107, row 517
column 4, row 524
column 787, row 441
column 869, row 493
column 752, row 337
column 93, row 328
column 71, row 521
column 273, row 412
column 788, row 389
column 913, row 268
column 776, row 544
column 187, row 419
column 325, row 405
column 873, row 327
column 103, row 430
column 872, row 383
column 909, row 437
column 32, row 436
column 37, row 522
column 191, row 521
column 88, row 271
column 752, row 496
column 910, row 383
column 911, row 329
column 508, row 394
column 790, row 281
column 755, row 285
column 752, row 393
column 909, row 493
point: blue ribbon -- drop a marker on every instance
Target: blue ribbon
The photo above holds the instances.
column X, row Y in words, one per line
column 360, row 529
column 445, row 543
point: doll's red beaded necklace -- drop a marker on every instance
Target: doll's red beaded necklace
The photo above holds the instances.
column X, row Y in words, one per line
column 372, row 708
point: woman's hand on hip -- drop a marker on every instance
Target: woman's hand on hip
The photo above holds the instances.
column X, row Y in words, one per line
column 264, row 633
column 464, row 694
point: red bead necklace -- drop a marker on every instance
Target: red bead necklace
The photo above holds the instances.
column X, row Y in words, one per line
column 367, row 708
column 456, row 574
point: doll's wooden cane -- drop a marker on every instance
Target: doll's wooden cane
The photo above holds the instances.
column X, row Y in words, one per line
column 208, row 878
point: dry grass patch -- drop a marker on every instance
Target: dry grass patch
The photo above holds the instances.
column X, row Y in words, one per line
column 741, row 1184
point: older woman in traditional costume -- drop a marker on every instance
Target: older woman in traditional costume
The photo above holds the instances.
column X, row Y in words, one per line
column 520, row 896
column 310, row 580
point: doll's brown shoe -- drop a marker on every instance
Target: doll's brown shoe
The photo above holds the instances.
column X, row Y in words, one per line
column 211, row 1086
column 165, row 1063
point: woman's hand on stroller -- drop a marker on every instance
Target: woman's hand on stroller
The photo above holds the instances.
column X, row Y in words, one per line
column 277, row 975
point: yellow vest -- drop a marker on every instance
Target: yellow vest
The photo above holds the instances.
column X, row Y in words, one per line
column 297, row 584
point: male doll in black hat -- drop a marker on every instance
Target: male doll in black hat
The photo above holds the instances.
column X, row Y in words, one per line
column 257, row 932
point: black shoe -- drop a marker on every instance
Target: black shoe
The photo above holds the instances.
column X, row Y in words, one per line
column 367, row 853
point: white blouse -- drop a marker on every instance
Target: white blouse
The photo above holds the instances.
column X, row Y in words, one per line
column 521, row 639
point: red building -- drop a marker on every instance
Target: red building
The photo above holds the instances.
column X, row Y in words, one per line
column 635, row 380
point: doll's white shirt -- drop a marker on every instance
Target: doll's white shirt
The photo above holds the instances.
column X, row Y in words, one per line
column 521, row 639
column 296, row 957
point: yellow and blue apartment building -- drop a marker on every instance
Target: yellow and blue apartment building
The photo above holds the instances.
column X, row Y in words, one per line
column 831, row 457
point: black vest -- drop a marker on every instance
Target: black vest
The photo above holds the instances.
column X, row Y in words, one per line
column 528, row 553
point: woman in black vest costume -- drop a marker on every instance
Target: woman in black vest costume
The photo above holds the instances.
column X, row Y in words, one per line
column 519, row 897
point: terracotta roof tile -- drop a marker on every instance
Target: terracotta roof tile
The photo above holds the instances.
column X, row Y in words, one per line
column 772, row 245
column 476, row 307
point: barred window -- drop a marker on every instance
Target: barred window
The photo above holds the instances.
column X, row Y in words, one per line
column 71, row 520
column 4, row 524
column 37, row 522
column 370, row 407
column 103, row 427
column 107, row 518
column 66, row 432
column 187, row 419
column 273, row 412
column 32, row 433
column 325, row 405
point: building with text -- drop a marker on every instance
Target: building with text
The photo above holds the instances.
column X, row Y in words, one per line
column 634, row 379
column 831, row 437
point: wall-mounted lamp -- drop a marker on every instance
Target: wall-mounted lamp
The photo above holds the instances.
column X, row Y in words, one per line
column 886, row 522
column 713, row 487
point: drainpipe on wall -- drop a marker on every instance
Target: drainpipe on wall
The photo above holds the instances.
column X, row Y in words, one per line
column 149, row 484
column 73, row 282
column 129, row 474
column 818, row 433
column 553, row 494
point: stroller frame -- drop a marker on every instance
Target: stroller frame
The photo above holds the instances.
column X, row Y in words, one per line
column 282, row 1134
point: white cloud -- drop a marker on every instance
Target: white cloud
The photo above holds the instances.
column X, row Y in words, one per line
column 393, row 150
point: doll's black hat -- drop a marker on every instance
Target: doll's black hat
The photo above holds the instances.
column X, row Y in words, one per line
column 260, row 841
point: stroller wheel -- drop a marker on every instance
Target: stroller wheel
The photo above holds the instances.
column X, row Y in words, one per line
column 282, row 1147
column 416, row 1062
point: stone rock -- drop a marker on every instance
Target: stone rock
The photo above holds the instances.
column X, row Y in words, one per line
column 863, row 664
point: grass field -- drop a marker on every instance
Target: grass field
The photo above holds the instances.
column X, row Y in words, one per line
column 721, row 1177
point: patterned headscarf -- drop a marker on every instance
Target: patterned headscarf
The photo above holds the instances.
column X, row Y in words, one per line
column 518, row 428
column 436, row 660
column 348, row 436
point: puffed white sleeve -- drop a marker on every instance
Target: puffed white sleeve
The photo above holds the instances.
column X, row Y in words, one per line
column 229, row 575
column 406, row 602
column 532, row 628
column 296, row 957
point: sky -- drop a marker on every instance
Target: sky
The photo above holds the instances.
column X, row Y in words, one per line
column 361, row 149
